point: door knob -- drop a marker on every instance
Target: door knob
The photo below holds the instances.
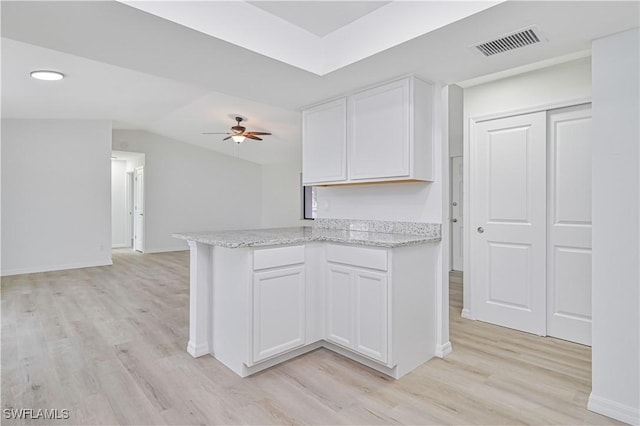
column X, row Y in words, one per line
column 454, row 220
column 480, row 230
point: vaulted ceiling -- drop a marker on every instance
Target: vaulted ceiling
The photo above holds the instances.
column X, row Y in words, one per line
column 183, row 68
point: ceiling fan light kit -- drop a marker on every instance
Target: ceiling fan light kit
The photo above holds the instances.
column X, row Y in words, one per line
column 239, row 133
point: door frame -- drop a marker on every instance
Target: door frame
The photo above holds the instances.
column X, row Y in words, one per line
column 469, row 309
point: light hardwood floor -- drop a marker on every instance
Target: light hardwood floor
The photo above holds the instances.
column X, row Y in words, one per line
column 109, row 344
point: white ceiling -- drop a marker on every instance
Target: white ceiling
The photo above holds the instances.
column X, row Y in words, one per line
column 150, row 73
column 319, row 17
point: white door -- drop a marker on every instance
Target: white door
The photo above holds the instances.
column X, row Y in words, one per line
column 339, row 302
column 138, row 208
column 456, row 214
column 508, row 219
column 278, row 311
column 130, row 203
column 380, row 139
column 371, row 311
column 324, row 142
column 569, row 245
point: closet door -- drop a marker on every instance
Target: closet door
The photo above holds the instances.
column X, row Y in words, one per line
column 569, row 249
column 508, row 220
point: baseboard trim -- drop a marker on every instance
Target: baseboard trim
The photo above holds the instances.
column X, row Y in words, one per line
column 197, row 350
column 443, row 350
column 466, row 313
column 613, row 409
column 52, row 268
column 165, row 250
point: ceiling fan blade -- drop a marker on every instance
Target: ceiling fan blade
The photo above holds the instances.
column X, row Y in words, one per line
column 228, row 137
column 215, row 133
column 250, row 136
column 258, row 133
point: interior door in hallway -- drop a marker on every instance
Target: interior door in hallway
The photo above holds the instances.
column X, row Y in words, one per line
column 508, row 216
column 456, row 214
column 138, row 233
column 569, row 224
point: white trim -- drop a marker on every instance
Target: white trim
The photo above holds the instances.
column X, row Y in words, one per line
column 197, row 350
column 537, row 108
column 443, row 350
column 118, row 246
column 165, row 250
column 51, row 268
column 466, row 313
column 614, row 409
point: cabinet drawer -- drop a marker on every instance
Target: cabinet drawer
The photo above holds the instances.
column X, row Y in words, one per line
column 280, row 256
column 358, row 256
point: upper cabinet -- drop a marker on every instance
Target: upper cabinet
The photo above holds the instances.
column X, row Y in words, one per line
column 324, row 142
column 375, row 135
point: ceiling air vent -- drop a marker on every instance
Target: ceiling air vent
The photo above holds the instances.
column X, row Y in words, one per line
column 511, row 41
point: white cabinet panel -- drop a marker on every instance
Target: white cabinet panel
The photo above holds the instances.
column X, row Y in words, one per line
column 278, row 311
column 324, row 143
column 339, row 325
column 371, row 314
column 357, row 310
column 279, row 256
column 379, row 144
column 384, row 133
column 373, row 258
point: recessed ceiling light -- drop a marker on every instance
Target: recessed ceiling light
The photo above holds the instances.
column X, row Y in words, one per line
column 47, row 75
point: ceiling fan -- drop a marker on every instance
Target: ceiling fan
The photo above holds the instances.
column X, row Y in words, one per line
column 238, row 133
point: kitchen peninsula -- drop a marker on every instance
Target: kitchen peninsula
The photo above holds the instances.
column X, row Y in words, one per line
column 364, row 289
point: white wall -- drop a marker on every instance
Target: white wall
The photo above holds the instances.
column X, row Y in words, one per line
column 119, row 214
column 564, row 82
column 56, row 196
column 188, row 188
column 456, row 120
column 282, row 196
column 616, row 227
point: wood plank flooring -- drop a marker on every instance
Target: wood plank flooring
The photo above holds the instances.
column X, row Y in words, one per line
column 109, row 345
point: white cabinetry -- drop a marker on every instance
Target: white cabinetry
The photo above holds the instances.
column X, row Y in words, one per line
column 278, row 311
column 279, row 301
column 324, row 142
column 252, row 308
column 357, row 300
column 388, row 136
column 339, row 305
column 371, row 314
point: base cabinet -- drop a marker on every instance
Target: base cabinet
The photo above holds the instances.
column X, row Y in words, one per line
column 265, row 306
column 357, row 308
column 278, row 311
column 371, row 314
column 339, row 305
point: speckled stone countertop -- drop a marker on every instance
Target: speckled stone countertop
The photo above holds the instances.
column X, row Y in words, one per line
column 367, row 233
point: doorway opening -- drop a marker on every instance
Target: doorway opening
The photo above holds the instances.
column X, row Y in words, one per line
column 127, row 200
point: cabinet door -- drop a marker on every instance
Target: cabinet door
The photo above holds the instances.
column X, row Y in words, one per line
column 324, row 143
column 339, row 305
column 380, row 132
column 371, row 314
column 278, row 311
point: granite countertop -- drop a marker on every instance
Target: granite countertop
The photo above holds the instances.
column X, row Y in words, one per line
column 347, row 232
